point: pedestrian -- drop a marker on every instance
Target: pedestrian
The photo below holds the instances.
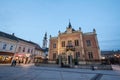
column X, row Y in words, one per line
column 19, row 61
column 62, row 64
column 13, row 63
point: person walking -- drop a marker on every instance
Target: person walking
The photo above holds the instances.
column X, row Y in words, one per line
column 13, row 63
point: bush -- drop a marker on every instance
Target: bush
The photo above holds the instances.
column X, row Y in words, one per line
column 75, row 61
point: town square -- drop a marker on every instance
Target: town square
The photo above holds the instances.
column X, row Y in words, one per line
column 59, row 40
column 31, row 72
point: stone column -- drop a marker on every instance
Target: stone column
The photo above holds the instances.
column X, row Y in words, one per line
column 71, row 61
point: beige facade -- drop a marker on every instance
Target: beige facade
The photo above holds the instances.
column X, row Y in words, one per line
column 24, row 51
column 81, row 46
column 7, row 45
column 12, row 47
column 7, row 49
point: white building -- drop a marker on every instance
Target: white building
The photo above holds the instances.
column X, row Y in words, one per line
column 13, row 47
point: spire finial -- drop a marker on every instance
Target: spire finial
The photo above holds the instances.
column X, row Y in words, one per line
column 69, row 20
column 50, row 36
column 45, row 37
column 79, row 28
column 46, row 34
column 59, row 31
column 94, row 30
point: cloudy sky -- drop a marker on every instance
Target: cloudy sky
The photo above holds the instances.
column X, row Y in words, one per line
column 30, row 19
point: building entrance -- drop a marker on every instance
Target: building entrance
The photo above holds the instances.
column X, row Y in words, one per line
column 66, row 58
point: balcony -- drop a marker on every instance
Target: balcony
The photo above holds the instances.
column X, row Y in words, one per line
column 70, row 48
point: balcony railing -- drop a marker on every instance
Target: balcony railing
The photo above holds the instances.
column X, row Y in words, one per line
column 70, row 47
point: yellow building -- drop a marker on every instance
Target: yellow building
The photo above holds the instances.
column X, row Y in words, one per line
column 74, row 44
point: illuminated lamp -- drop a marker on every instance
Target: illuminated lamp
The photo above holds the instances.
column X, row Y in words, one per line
column 20, row 55
column 27, row 55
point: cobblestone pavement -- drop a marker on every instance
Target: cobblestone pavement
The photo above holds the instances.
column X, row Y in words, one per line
column 31, row 72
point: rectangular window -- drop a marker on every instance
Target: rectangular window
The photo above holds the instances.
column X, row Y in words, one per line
column 4, row 46
column 28, row 50
column 11, row 47
column 76, row 42
column 69, row 42
column 88, row 42
column 54, row 56
column 90, row 55
column 54, row 45
column 31, row 50
column 77, row 54
column 23, row 49
column 19, row 49
column 63, row 43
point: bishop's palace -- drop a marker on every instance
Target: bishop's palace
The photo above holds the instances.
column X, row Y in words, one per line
column 74, row 45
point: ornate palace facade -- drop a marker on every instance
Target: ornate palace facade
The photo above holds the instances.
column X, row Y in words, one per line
column 74, row 43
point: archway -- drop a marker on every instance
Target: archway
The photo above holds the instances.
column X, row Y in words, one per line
column 66, row 58
column 70, row 57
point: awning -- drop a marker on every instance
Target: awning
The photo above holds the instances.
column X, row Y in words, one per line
column 7, row 53
column 20, row 55
column 38, row 57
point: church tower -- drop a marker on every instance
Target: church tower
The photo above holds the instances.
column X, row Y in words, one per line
column 45, row 41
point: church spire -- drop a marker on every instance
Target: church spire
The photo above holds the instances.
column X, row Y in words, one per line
column 45, row 37
column 45, row 41
column 69, row 26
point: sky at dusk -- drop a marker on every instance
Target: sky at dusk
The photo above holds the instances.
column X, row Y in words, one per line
column 30, row 19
